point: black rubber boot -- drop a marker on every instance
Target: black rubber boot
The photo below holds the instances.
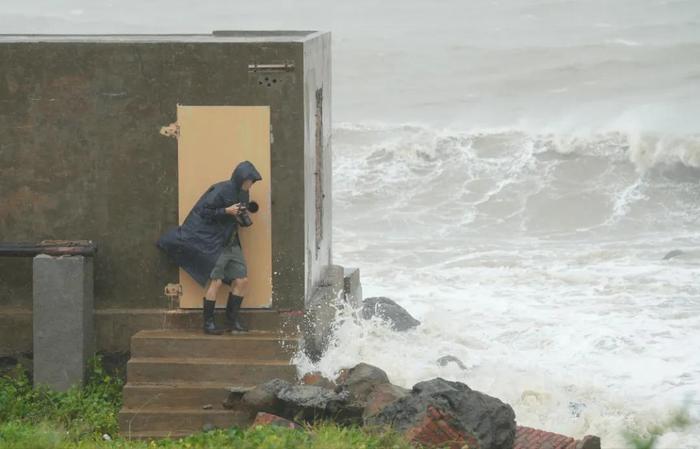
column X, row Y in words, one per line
column 233, row 305
column 209, row 326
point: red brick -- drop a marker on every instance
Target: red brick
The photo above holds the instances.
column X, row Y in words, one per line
column 436, row 429
column 267, row 419
column 529, row 438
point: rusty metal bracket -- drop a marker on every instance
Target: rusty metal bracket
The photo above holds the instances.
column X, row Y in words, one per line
column 172, row 130
column 173, row 291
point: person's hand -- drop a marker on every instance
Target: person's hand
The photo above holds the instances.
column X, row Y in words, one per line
column 233, row 209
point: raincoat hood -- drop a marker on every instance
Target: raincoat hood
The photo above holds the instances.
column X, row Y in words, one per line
column 243, row 171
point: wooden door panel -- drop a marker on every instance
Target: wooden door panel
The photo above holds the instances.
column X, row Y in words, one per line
column 212, row 141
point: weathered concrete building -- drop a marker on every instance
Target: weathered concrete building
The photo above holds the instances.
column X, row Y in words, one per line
column 84, row 154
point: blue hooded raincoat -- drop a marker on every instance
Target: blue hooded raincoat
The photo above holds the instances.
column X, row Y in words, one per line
column 197, row 243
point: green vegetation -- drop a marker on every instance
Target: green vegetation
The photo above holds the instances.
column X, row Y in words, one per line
column 322, row 436
column 81, row 412
column 679, row 420
column 39, row 418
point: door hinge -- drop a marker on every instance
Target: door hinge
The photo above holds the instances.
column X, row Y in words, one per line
column 172, row 130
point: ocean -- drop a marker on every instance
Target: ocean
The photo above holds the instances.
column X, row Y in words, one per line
column 512, row 173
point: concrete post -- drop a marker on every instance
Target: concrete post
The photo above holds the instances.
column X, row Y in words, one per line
column 353, row 287
column 321, row 311
column 64, row 336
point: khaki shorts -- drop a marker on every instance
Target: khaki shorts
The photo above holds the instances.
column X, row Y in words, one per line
column 230, row 265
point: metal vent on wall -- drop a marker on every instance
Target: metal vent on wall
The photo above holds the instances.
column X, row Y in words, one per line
column 271, row 75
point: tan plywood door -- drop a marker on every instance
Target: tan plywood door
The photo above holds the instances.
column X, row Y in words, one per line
column 212, row 141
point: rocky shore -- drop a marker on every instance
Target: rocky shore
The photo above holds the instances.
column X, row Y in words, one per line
column 434, row 413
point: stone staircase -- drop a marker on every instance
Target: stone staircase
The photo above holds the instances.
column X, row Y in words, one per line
column 178, row 378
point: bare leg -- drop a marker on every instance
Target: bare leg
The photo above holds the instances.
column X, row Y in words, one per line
column 213, row 290
column 239, row 287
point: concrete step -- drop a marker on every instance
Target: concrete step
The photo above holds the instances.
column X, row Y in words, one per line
column 238, row 371
column 194, row 343
column 181, row 421
column 255, row 319
column 175, row 396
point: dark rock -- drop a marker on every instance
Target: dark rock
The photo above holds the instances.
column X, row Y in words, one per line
column 672, row 254
column 301, row 402
column 267, row 419
column 318, row 380
column 588, row 442
column 311, row 403
column 369, row 388
column 310, row 396
column 360, row 380
column 389, row 311
column 381, row 396
column 262, row 398
column 440, row 412
column 235, row 396
column 444, row 360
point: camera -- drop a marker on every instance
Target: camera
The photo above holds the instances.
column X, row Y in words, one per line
column 243, row 217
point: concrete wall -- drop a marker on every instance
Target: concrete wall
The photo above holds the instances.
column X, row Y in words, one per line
column 317, row 83
column 81, row 157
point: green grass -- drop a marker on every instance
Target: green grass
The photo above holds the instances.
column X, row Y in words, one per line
column 40, row 418
column 81, row 412
column 16, row 435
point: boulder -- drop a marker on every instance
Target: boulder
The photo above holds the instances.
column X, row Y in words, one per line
column 267, row 419
column 381, row 396
column 317, row 379
column 311, row 403
column 360, row 380
column 369, row 388
column 235, row 396
column 301, row 403
column 588, row 442
column 262, row 398
column 389, row 311
column 672, row 254
column 444, row 360
column 440, row 412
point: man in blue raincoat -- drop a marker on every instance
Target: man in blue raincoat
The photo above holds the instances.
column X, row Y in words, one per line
column 207, row 246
